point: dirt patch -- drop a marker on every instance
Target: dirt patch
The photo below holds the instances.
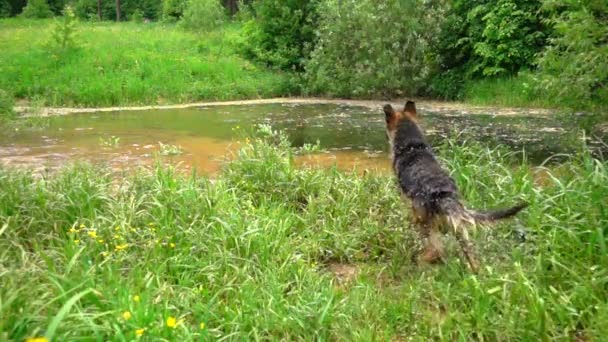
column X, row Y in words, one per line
column 343, row 273
column 451, row 108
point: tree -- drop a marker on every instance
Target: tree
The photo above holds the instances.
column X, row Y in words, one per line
column 574, row 67
column 99, row 9
column 37, row 9
column 117, row 10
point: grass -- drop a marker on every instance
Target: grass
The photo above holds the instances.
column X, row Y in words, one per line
column 517, row 91
column 523, row 91
column 270, row 251
column 127, row 64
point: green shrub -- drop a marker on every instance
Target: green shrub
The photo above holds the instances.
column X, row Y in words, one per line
column 485, row 38
column 202, row 15
column 512, row 35
column 7, row 104
column 366, row 49
column 37, row 9
column 137, row 16
column 574, row 67
column 5, row 9
column 173, row 10
column 282, row 32
column 65, row 29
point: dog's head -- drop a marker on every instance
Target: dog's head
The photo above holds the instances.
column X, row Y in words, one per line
column 394, row 118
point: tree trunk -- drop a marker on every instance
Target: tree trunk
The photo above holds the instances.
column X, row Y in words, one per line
column 99, row 9
column 117, row 10
column 232, row 6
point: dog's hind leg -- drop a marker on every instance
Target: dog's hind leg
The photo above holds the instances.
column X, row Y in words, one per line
column 426, row 224
column 458, row 225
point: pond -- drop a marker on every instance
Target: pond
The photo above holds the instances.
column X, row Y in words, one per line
column 351, row 136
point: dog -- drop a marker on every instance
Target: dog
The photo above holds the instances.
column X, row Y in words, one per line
column 434, row 196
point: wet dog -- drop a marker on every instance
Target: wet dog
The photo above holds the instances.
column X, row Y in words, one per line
column 434, row 197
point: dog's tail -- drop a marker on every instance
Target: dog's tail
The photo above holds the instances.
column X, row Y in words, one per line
column 453, row 207
column 497, row 214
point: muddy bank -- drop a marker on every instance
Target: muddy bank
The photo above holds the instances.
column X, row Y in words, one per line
column 452, row 108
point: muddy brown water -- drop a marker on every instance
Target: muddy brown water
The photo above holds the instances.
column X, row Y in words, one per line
column 351, row 136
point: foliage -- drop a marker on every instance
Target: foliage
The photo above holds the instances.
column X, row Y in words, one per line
column 7, row 104
column 37, row 9
column 368, row 49
column 512, row 35
column 137, row 16
column 173, row 10
column 573, row 68
column 109, row 142
column 65, row 29
column 5, row 9
column 316, row 254
column 483, row 38
column 129, row 64
column 14, row 6
column 87, row 9
column 281, row 34
column 202, row 15
column 169, row 149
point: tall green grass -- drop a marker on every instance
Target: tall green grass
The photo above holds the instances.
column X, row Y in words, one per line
column 253, row 253
column 129, row 63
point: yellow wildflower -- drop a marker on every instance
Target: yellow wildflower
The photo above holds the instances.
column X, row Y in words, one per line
column 151, row 224
column 76, row 241
column 172, row 322
column 92, row 234
column 117, row 228
column 100, row 240
column 105, row 254
column 37, row 339
column 127, row 315
column 73, row 230
column 136, row 298
column 202, row 325
column 82, row 226
column 172, row 245
column 116, row 236
column 121, row 247
column 139, row 332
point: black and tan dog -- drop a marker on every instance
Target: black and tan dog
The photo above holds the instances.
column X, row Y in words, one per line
column 433, row 193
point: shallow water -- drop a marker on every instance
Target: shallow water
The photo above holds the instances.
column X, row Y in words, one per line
column 351, row 136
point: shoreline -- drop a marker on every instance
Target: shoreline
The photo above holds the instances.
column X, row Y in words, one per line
column 424, row 105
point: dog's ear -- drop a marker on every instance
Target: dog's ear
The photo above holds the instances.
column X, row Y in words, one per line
column 388, row 111
column 410, row 107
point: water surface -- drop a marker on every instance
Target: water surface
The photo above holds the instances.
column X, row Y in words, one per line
column 352, row 136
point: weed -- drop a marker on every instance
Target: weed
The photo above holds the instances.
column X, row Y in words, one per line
column 109, row 142
column 166, row 256
column 169, row 150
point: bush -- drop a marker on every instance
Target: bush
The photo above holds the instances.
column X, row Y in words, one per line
column 137, row 16
column 37, row 9
column 282, row 32
column 483, row 38
column 202, row 15
column 7, row 104
column 65, row 29
column 173, row 10
column 366, row 49
column 5, row 9
column 573, row 69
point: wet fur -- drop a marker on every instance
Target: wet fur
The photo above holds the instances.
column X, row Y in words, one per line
column 434, row 196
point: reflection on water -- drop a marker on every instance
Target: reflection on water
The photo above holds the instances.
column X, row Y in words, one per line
column 351, row 136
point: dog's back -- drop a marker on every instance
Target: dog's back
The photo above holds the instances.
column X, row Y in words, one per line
column 419, row 173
